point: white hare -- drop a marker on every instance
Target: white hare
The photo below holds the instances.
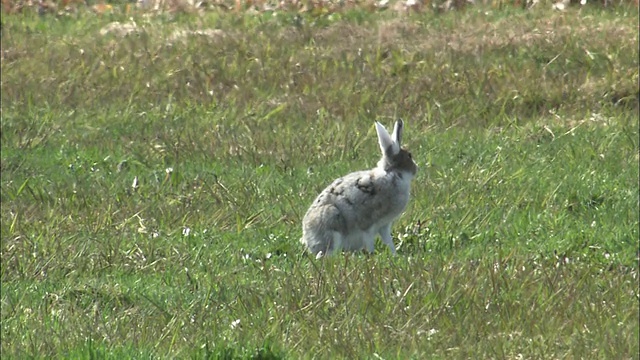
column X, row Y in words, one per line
column 350, row 212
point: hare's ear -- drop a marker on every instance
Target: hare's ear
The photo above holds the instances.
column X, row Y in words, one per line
column 397, row 132
column 387, row 145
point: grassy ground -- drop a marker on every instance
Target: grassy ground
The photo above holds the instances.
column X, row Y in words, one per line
column 153, row 185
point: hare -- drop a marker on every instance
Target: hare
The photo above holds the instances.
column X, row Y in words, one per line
column 350, row 212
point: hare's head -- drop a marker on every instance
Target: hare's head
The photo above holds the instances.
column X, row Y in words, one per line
column 394, row 157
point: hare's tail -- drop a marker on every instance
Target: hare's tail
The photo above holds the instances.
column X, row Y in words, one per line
column 325, row 242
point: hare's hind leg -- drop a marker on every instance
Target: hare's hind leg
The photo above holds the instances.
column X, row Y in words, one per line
column 323, row 230
column 325, row 243
column 369, row 241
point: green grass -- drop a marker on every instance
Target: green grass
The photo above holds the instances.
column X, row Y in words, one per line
column 520, row 241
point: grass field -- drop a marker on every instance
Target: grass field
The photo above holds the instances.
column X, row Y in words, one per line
column 153, row 185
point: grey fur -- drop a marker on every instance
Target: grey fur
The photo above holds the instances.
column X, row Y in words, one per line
column 354, row 209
